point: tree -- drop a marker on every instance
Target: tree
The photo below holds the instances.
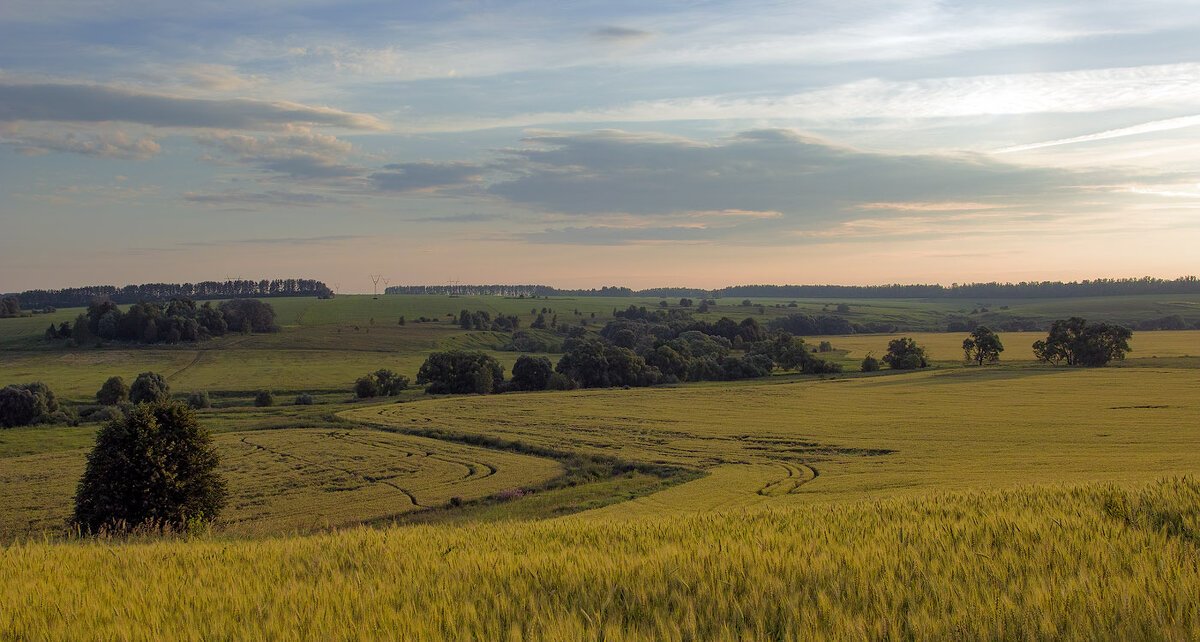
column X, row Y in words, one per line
column 460, row 372
column 248, row 315
column 869, row 364
column 905, row 354
column 198, row 400
column 389, row 383
column 113, row 392
column 366, row 388
column 531, row 373
column 264, row 398
column 1079, row 343
column 983, row 346
column 155, row 466
column 148, row 388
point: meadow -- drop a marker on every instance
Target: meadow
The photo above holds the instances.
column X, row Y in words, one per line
column 1009, row 500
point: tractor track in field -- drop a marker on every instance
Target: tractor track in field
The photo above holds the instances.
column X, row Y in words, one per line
column 797, row 475
column 367, row 478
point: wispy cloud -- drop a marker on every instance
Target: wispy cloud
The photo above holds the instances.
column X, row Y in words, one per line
column 79, row 103
column 285, row 240
column 1135, row 130
column 267, row 198
column 426, row 176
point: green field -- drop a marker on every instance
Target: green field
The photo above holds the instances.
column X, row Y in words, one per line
column 1011, row 500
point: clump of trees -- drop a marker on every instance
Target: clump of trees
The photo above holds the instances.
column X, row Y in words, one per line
column 28, row 404
column 264, row 399
column 461, row 372
column 905, row 354
column 153, row 467
column 171, row 322
column 482, row 320
column 381, row 383
column 983, row 346
column 10, row 306
column 1076, row 342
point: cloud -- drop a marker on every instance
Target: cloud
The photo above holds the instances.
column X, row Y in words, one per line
column 302, row 154
column 80, row 103
column 612, row 235
column 1135, row 130
column 287, row 240
column 620, row 34
column 267, row 198
column 110, row 144
column 426, row 176
column 608, row 172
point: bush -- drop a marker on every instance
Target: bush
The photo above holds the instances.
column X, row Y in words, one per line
column 113, row 392
column 198, row 400
column 366, row 388
column 154, row 467
column 870, row 364
column 148, row 388
column 27, row 404
column 264, row 398
column 304, row 400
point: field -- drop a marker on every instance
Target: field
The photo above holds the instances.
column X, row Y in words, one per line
column 1011, row 500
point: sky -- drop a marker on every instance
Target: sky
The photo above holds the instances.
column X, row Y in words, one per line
column 582, row 144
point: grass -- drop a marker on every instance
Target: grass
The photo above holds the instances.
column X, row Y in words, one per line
column 1024, row 563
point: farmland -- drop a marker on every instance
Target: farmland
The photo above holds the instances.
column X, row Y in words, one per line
column 860, row 504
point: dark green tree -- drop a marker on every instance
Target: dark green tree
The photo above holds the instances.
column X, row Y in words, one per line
column 905, row 354
column 113, row 392
column 531, row 373
column 366, row 388
column 155, row 466
column 26, row 404
column 389, row 383
column 149, row 387
column 264, row 399
column 1079, row 343
column 983, row 346
column 199, row 400
column 460, row 372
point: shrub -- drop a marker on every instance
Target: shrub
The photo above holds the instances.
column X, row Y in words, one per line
column 264, row 398
column 148, row 388
column 113, row 392
column 304, row 400
column 198, row 400
column 154, row 467
column 365, row 388
column 870, row 364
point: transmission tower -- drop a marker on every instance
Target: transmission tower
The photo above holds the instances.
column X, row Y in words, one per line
column 375, row 281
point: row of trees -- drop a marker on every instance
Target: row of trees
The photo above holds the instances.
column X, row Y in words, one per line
column 992, row 290
column 170, row 322
column 239, row 288
column 482, row 320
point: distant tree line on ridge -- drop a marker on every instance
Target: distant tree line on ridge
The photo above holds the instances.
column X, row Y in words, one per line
column 1025, row 289
column 82, row 296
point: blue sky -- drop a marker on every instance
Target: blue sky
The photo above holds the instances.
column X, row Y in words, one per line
column 581, row 144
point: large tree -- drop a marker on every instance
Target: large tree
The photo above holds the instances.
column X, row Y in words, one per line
column 905, row 354
column 983, row 346
column 1079, row 343
column 155, row 466
column 458, row 371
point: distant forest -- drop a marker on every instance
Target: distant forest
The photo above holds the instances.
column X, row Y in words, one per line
column 1023, row 290
column 81, row 297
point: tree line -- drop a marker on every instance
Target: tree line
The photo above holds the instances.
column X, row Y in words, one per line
column 990, row 290
column 82, row 296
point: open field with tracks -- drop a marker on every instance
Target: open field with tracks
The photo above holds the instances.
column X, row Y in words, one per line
column 1016, row 499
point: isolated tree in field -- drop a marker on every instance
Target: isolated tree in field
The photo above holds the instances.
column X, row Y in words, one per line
column 869, row 364
column 905, row 354
column 155, row 466
column 113, row 392
column 149, row 387
column 1079, row 343
column 264, row 399
column 983, row 346
column 199, row 400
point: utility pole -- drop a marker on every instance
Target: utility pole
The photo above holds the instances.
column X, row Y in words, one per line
column 375, row 281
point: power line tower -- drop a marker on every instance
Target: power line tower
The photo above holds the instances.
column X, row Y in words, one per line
column 385, row 284
column 375, row 281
